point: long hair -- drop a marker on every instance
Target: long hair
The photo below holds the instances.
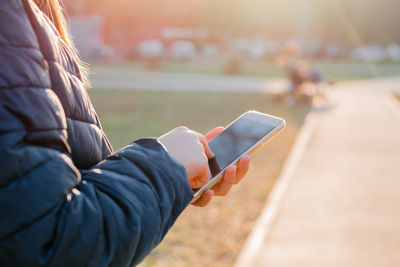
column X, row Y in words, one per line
column 54, row 12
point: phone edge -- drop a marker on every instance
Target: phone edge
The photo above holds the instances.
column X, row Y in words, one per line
column 249, row 152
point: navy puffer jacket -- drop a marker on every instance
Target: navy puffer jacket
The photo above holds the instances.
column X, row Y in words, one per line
column 66, row 199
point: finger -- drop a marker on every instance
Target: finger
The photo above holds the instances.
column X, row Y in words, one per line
column 204, row 199
column 223, row 188
column 213, row 133
column 203, row 175
column 243, row 167
column 207, row 149
column 196, row 182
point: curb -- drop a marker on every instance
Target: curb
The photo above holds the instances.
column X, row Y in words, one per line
column 269, row 214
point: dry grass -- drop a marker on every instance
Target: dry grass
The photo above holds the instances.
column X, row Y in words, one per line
column 211, row 236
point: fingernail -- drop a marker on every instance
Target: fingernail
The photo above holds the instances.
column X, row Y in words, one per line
column 247, row 157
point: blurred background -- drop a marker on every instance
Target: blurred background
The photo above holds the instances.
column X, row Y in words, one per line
column 158, row 64
column 210, row 35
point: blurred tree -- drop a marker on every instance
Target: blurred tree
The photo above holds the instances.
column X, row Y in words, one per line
column 334, row 20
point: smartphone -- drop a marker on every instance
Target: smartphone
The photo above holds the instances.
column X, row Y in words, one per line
column 243, row 136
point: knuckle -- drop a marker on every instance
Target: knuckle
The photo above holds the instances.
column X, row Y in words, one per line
column 182, row 128
column 191, row 136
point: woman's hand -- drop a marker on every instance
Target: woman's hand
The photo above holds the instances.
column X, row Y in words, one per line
column 191, row 150
column 232, row 175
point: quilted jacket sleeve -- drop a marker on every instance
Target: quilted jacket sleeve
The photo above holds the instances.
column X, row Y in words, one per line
column 51, row 213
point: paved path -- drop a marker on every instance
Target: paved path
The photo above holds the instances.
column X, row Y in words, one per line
column 337, row 202
column 128, row 79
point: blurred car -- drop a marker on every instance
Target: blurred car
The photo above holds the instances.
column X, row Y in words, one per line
column 257, row 49
column 210, row 51
column 369, row 52
column 393, row 52
column 333, row 51
column 151, row 49
column 183, row 50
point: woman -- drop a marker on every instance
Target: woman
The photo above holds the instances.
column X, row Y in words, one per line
column 66, row 199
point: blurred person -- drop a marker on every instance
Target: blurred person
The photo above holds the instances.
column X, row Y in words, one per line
column 67, row 199
column 289, row 61
column 304, row 80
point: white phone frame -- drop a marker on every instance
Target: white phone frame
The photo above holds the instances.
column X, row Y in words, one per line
column 278, row 124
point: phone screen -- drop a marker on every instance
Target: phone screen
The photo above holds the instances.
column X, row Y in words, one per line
column 234, row 141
